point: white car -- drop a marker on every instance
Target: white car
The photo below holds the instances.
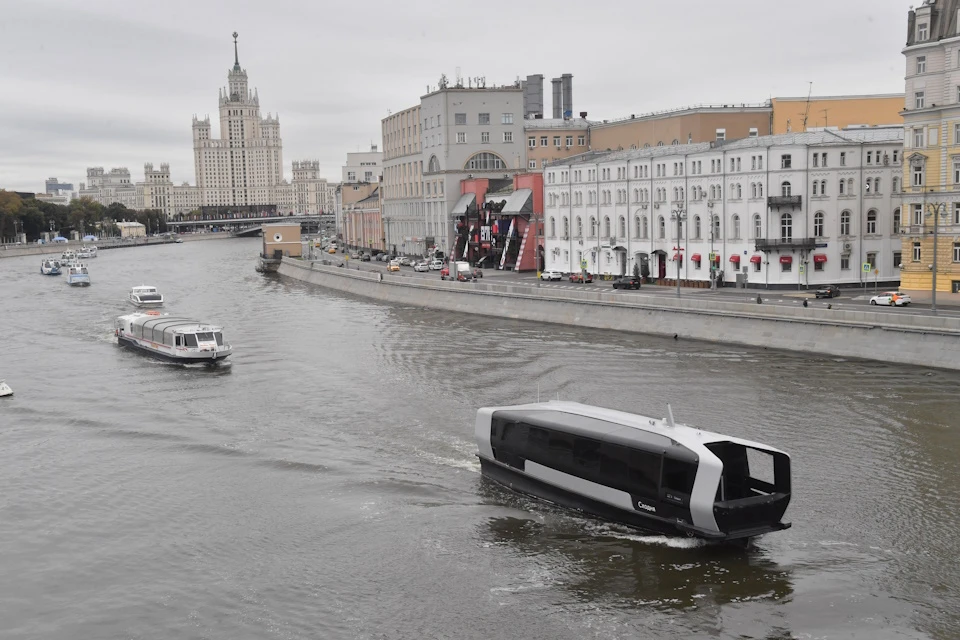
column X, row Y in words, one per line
column 436, row 264
column 891, row 298
column 551, row 274
column 421, row 266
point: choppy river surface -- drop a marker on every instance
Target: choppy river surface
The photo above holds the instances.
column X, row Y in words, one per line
column 325, row 484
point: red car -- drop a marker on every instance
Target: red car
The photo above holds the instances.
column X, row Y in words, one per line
column 578, row 277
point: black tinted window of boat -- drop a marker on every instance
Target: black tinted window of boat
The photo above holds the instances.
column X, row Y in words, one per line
column 190, row 339
column 219, row 337
column 678, row 476
column 632, row 470
column 205, row 336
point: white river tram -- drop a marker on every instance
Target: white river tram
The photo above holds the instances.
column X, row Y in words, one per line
column 171, row 338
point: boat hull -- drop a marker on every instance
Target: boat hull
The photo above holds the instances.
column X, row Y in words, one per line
column 5, row 390
column 201, row 358
column 525, row 484
column 146, row 305
column 75, row 282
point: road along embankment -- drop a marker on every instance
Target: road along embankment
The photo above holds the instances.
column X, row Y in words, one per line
column 885, row 335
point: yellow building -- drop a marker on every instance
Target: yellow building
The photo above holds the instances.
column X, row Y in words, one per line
column 931, row 119
column 840, row 112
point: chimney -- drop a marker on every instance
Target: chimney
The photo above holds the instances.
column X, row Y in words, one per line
column 557, row 98
column 566, row 81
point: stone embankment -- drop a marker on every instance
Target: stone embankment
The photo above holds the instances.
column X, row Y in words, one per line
column 12, row 251
column 875, row 335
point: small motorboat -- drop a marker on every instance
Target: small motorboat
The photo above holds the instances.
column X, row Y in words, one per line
column 5, row 389
column 50, row 267
column 78, row 276
column 145, row 296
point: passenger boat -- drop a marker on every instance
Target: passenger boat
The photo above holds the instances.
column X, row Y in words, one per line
column 50, row 267
column 144, row 296
column 172, row 338
column 68, row 256
column 77, row 275
column 87, row 252
column 5, row 389
column 649, row 473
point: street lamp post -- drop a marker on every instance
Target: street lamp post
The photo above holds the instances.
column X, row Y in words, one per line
column 938, row 209
column 679, row 215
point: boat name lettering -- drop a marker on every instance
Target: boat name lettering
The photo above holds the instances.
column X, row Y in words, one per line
column 646, row 507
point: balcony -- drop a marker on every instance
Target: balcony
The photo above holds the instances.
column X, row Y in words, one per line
column 802, row 244
column 784, row 201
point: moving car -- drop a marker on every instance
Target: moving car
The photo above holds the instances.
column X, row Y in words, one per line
column 466, row 276
column 365, row 257
column 332, row 250
column 891, row 298
column 551, row 274
column 578, row 277
column 406, row 262
column 393, row 266
column 828, row 291
column 421, row 266
column 477, row 273
column 435, row 264
column 354, row 256
column 626, row 282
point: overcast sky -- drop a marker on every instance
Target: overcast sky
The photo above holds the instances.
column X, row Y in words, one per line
column 115, row 83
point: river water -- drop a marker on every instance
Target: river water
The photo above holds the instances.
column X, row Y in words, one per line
column 325, row 485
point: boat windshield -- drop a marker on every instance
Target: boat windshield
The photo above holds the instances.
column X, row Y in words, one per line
column 219, row 337
column 190, row 339
column 205, row 336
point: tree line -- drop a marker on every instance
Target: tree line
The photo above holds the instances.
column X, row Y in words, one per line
column 83, row 215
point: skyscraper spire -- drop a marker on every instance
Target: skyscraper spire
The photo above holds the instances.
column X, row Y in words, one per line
column 236, row 56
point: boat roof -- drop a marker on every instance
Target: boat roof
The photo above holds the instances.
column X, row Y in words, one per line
column 603, row 421
column 174, row 324
column 143, row 287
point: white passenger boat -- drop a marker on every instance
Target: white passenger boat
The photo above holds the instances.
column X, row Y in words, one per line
column 77, row 275
column 68, row 256
column 172, row 338
column 5, row 389
column 87, row 252
column 50, row 267
column 649, row 473
column 145, row 296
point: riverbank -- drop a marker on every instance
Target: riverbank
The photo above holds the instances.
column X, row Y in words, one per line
column 874, row 335
column 8, row 251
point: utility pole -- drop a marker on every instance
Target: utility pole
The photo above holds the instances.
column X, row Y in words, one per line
column 679, row 216
column 937, row 207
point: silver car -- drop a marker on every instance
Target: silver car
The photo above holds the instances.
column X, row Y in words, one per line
column 891, row 298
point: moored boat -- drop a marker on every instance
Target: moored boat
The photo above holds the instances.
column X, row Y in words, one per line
column 77, row 275
column 50, row 267
column 172, row 338
column 649, row 473
column 5, row 389
column 145, row 296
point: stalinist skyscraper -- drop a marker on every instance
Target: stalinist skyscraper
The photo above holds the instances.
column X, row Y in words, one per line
column 244, row 166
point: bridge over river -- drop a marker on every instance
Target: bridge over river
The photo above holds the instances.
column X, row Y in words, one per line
column 248, row 226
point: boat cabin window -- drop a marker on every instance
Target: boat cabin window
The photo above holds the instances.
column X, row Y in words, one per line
column 219, row 336
column 179, row 340
column 190, row 339
column 205, row 336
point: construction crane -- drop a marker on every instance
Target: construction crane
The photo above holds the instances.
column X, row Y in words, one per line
column 806, row 112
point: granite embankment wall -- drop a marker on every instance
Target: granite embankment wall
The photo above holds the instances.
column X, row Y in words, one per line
column 885, row 335
column 11, row 251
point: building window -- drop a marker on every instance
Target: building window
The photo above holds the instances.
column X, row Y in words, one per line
column 918, row 176
column 553, row 227
column 816, row 160
column 922, row 31
column 896, row 221
column 581, row 141
column 721, row 135
column 482, row 162
column 917, row 214
column 485, row 137
column 823, row 159
column 753, row 132
column 736, row 227
column 872, row 260
column 916, row 252
column 661, row 228
column 579, row 227
column 484, row 118
column 785, row 161
column 461, row 137
column 569, row 141
column 918, row 138
column 786, row 267
column 508, row 136
column 872, row 221
column 757, row 227
column 506, row 118
column 786, row 227
column 623, row 227
column 844, row 263
column 785, row 188
column 956, row 213
column 956, row 251
column 716, row 227
column 816, row 185
column 556, row 141
column 921, row 64
column 918, row 100
column 818, row 224
column 845, row 223
column 532, row 164
column 817, row 266
column 897, row 259
column 843, row 158
column 531, row 142
column 460, row 118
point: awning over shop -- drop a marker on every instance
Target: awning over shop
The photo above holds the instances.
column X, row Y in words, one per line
column 786, row 259
column 465, row 202
column 677, row 256
column 819, row 257
column 756, row 259
column 735, row 259
column 520, row 201
column 695, row 257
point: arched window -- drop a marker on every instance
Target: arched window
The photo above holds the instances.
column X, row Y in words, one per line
column 736, row 226
column 643, row 226
column 868, row 187
column 485, row 161
column 816, row 187
column 716, row 227
column 681, row 194
column 434, row 165
column 896, row 185
column 753, row 189
column 606, row 226
column 845, row 223
column 876, row 185
column 786, row 227
column 785, row 189
column 636, row 192
column 896, row 221
column 696, row 227
column 713, row 192
column 553, row 227
column 623, row 227
column 719, row 192
column 660, row 144
column 566, row 227
column 636, row 227
column 850, row 186
column 871, row 221
column 579, row 227
column 818, row 224
column 661, row 228
column 739, row 191
column 759, row 189
column 757, row 226
column 823, row 187
column 675, row 142
column 593, row 227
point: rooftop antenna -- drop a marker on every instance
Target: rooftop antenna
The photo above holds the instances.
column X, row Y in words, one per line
column 806, row 111
column 670, row 421
column 459, row 78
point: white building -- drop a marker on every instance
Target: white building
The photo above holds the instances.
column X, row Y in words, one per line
column 244, row 166
column 308, row 188
column 787, row 210
column 363, row 166
column 107, row 188
column 454, row 133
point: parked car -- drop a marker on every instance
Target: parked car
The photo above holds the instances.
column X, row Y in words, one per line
column 422, row 266
column 436, row 264
column 551, row 274
column 465, row 276
column 578, row 277
column 626, row 282
column 828, row 291
column 891, row 298
column 393, row 266
column 477, row 273
column 365, row 257
column 406, row 262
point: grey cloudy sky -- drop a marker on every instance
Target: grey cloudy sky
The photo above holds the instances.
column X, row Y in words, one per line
column 116, row 83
